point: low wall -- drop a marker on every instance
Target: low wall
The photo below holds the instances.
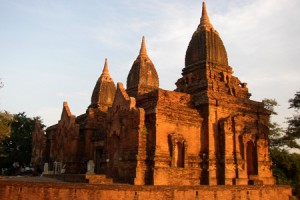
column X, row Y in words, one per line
column 76, row 178
column 11, row 190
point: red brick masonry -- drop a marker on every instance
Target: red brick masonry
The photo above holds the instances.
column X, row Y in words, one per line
column 10, row 190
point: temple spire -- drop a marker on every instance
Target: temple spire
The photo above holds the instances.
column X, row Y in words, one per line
column 105, row 68
column 204, row 21
column 142, row 77
column 143, row 50
column 104, row 90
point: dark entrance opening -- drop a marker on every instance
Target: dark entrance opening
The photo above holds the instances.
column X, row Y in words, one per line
column 251, row 159
column 99, row 166
column 180, row 155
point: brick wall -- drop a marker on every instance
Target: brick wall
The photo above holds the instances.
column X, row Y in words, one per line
column 10, row 190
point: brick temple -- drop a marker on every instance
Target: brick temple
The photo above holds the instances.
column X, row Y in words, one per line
column 205, row 132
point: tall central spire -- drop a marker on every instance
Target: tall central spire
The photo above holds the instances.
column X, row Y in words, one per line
column 206, row 44
column 204, row 21
column 143, row 50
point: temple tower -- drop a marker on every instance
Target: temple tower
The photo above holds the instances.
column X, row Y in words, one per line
column 104, row 90
column 142, row 77
column 94, row 129
column 233, row 125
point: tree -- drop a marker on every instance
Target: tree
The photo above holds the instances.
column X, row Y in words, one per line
column 5, row 122
column 286, row 165
column 280, row 138
column 17, row 146
column 293, row 130
column 295, row 102
column 270, row 105
column 275, row 130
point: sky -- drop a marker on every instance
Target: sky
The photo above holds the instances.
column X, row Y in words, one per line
column 54, row 51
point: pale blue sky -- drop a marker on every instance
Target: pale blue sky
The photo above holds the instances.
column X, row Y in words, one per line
column 54, row 51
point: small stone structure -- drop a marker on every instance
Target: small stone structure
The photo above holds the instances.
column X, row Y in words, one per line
column 46, row 168
column 206, row 132
column 90, row 167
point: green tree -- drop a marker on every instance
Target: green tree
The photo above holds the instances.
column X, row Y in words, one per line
column 293, row 130
column 17, row 146
column 280, row 138
column 275, row 130
column 5, row 122
column 270, row 105
column 286, row 165
column 295, row 102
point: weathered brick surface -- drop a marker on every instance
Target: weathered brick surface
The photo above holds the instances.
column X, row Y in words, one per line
column 12, row 190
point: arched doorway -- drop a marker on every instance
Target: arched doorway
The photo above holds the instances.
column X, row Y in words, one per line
column 251, row 159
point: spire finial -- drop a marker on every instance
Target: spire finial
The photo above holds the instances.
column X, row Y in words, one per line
column 143, row 50
column 105, row 68
column 204, row 21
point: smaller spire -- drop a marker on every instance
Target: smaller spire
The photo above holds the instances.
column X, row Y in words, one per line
column 204, row 21
column 105, row 73
column 105, row 68
column 143, row 50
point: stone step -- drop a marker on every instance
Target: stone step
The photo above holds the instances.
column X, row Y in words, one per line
column 253, row 177
column 98, row 179
column 254, row 180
